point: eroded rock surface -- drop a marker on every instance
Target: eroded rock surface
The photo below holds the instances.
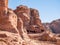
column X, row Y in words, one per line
column 13, row 29
column 35, row 22
column 18, row 26
column 8, row 22
column 30, row 18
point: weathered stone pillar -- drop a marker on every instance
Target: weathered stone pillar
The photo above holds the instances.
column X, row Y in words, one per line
column 3, row 7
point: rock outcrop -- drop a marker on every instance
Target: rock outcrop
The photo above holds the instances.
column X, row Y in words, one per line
column 19, row 26
column 8, row 22
column 23, row 12
column 54, row 26
column 14, row 25
column 30, row 18
column 3, row 7
column 35, row 22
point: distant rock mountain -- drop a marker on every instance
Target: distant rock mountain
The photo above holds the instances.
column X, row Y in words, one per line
column 54, row 26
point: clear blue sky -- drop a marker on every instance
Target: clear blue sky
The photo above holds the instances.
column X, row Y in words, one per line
column 49, row 9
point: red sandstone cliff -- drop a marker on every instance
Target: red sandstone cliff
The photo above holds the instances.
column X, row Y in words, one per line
column 15, row 24
column 30, row 18
column 23, row 26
